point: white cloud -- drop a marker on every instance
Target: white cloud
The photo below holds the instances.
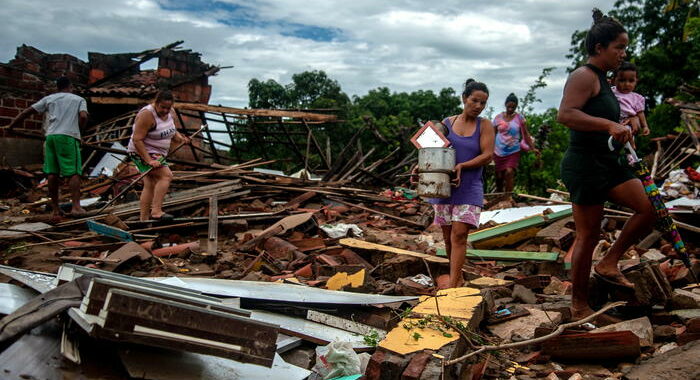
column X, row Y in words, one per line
column 404, row 45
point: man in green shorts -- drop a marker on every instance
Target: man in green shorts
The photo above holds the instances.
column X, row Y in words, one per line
column 65, row 115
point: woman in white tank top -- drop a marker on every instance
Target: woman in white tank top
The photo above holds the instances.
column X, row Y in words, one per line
column 153, row 131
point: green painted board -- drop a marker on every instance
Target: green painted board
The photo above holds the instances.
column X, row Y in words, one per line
column 507, row 228
column 110, row 231
column 532, row 221
column 559, row 214
column 506, row 255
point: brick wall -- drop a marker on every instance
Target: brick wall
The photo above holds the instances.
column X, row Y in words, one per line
column 30, row 76
column 175, row 63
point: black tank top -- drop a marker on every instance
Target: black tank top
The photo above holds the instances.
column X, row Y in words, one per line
column 603, row 105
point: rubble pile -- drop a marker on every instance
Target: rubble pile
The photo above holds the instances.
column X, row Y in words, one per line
column 297, row 235
column 315, row 275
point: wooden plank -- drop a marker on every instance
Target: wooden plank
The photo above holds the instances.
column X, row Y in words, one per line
column 256, row 112
column 110, row 231
column 506, row 255
column 117, row 100
column 360, row 244
column 514, row 232
column 593, row 346
column 90, row 259
column 99, row 288
column 343, row 324
column 212, row 242
column 196, row 329
column 279, row 227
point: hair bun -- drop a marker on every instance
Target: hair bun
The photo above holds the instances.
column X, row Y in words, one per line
column 597, row 16
column 469, row 81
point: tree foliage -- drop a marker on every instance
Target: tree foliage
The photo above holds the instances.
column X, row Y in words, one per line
column 664, row 44
column 530, row 98
column 309, row 89
column 665, row 47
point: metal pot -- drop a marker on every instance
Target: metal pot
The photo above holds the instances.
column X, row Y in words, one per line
column 435, row 166
column 436, row 160
column 434, row 185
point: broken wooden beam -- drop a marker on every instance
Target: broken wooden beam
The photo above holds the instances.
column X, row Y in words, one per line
column 602, row 346
column 360, row 244
column 256, row 112
column 212, row 241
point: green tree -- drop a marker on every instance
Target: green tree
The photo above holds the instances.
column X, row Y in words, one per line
column 530, row 98
column 663, row 44
column 268, row 94
column 313, row 89
column 309, row 89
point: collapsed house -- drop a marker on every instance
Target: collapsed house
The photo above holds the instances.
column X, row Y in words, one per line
column 311, row 276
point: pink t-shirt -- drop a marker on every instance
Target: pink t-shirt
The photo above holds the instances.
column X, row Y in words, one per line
column 157, row 140
column 630, row 104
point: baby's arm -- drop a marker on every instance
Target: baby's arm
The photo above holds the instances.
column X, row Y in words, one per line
column 643, row 123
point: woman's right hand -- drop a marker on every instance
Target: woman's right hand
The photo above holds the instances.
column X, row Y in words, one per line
column 620, row 133
column 154, row 163
column 414, row 173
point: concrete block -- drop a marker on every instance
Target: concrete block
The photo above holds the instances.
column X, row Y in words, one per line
column 524, row 327
column 641, row 327
column 524, row 294
column 683, row 299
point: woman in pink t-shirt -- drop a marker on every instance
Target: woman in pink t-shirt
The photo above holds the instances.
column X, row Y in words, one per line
column 153, row 130
column 511, row 133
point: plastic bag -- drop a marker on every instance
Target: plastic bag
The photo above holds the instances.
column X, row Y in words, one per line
column 337, row 359
column 341, row 230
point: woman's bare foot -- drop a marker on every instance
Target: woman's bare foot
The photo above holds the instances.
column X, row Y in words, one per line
column 612, row 275
column 458, row 283
column 601, row 320
column 78, row 212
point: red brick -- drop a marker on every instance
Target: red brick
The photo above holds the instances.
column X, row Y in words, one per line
column 11, row 112
column 694, row 325
column 8, row 102
column 416, row 365
column 206, row 94
column 327, row 260
column 374, row 369
column 30, row 78
column 687, row 337
column 164, row 72
column 353, row 258
column 60, row 65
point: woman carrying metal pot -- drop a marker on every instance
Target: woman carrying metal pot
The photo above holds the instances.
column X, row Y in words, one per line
column 473, row 139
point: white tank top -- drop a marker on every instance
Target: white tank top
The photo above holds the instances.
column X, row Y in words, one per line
column 157, row 139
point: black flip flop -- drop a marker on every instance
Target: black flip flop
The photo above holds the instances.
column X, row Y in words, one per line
column 610, row 280
column 165, row 217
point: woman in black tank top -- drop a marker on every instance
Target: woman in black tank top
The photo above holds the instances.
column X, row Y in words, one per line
column 590, row 171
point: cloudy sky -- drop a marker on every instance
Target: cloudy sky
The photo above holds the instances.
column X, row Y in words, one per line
column 405, row 45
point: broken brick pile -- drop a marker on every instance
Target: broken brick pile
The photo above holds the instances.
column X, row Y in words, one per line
column 523, row 298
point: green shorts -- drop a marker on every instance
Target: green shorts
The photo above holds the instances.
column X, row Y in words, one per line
column 142, row 166
column 62, row 156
